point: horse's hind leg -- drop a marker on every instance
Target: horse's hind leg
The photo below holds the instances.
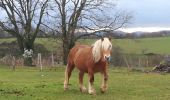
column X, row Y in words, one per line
column 82, row 88
column 68, row 71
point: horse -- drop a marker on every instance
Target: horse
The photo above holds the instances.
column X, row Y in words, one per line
column 89, row 59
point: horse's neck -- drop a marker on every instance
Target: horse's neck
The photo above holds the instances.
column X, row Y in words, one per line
column 96, row 51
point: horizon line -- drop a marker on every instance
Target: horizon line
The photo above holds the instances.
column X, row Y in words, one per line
column 144, row 29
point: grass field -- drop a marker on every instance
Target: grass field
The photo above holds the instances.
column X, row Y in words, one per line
column 137, row 46
column 129, row 46
column 31, row 84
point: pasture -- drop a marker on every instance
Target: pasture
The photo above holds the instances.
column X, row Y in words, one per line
column 129, row 46
column 32, row 84
column 139, row 46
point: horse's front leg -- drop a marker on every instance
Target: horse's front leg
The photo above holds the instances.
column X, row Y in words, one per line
column 82, row 88
column 91, row 90
column 104, row 82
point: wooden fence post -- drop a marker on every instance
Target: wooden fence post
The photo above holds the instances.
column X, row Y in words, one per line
column 52, row 58
column 126, row 62
column 13, row 63
column 139, row 63
column 147, row 62
column 39, row 61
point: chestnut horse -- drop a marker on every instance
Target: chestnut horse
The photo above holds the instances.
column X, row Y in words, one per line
column 89, row 59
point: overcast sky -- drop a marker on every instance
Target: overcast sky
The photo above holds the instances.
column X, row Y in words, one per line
column 147, row 13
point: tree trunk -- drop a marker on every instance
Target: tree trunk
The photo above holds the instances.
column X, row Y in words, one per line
column 29, row 45
column 67, row 45
column 20, row 44
column 26, row 44
column 65, row 51
column 28, row 61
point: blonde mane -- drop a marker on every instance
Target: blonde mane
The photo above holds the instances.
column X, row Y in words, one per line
column 98, row 46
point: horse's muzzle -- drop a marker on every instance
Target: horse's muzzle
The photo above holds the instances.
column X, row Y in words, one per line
column 107, row 58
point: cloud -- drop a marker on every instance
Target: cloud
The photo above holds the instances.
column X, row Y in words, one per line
column 144, row 29
column 147, row 13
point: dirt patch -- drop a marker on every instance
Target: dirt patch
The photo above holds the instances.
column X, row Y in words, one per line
column 13, row 92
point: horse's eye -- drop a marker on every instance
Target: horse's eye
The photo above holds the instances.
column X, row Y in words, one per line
column 109, row 47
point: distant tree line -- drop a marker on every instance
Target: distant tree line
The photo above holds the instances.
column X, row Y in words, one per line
column 115, row 34
column 120, row 34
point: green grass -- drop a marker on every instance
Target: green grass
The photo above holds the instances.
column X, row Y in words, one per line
column 49, row 43
column 150, row 45
column 129, row 46
column 137, row 46
column 8, row 40
column 29, row 84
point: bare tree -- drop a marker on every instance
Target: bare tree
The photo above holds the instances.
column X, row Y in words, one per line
column 86, row 16
column 23, row 20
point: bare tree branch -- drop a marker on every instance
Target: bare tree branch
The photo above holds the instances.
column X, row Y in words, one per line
column 86, row 15
column 20, row 17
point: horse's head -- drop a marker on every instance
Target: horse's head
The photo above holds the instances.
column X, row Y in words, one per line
column 106, row 48
column 102, row 49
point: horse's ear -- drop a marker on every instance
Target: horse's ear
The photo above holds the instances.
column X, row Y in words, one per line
column 110, row 38
column 102, row 38
column 92, row 45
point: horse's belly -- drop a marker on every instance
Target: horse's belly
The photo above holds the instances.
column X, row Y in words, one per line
column 81, row 66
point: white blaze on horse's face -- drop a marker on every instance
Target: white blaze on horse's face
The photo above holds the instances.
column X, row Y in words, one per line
column 106, row 49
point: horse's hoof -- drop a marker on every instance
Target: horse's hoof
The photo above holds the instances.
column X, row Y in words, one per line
column 65, row 88
column 103, row 90
column 83, row 90
column 92, row 92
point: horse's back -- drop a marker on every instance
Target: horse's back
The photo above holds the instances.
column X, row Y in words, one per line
column 75, row 49
column 79, row 53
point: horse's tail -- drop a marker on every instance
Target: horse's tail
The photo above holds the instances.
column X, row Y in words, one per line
column 69, row 68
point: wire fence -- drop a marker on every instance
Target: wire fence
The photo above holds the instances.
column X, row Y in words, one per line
column 53, row 60
column 37, row 61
